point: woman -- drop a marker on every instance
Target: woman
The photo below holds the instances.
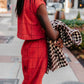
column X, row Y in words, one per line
column 33, row 27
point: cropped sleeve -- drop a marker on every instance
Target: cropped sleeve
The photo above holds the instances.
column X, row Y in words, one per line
column 37, row 3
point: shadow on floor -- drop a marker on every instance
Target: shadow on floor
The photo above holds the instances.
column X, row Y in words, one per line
column 70, row 82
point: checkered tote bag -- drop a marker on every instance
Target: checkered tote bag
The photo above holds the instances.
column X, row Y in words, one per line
column 56, row 57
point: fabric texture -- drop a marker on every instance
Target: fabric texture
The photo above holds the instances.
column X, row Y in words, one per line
column 29, row 27
column 34, row 61
column 56, row 57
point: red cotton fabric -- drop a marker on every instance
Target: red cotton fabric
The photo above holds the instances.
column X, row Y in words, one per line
column 29, row 27
column 34, row 61
column 34, row 49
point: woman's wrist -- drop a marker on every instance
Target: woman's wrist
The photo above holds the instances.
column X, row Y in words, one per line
column 57, row 34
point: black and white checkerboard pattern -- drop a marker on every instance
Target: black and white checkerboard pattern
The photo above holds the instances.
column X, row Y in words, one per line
column 56, row 57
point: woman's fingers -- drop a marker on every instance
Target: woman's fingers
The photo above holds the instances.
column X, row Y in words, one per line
column 59, row 43
column 61, row 46
column 60, row 40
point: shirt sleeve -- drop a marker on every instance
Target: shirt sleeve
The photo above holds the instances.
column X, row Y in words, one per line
column 37, row 3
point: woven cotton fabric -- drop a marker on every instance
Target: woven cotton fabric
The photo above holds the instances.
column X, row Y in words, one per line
column 56, row 57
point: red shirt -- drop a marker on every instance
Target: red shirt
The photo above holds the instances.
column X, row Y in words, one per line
column 29, row 27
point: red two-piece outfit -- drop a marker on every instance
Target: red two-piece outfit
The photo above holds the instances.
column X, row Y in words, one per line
column 34, row 49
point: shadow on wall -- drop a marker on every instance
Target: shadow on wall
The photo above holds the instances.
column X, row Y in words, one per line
column 70, row 82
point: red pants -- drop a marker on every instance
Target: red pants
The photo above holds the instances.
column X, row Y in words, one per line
column 34, row 61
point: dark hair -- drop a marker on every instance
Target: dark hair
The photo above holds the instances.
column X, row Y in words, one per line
column 19, row 7
column 45, row 2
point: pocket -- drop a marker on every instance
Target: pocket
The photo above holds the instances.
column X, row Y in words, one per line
column 25, row 65
column 22, row 47
column 28, row 68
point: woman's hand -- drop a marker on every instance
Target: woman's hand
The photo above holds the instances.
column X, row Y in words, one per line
column 59, row 43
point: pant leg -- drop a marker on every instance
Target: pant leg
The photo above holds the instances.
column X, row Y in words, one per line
column 34, row 61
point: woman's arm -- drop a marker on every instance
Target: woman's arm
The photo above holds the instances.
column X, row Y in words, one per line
column 44, row 20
